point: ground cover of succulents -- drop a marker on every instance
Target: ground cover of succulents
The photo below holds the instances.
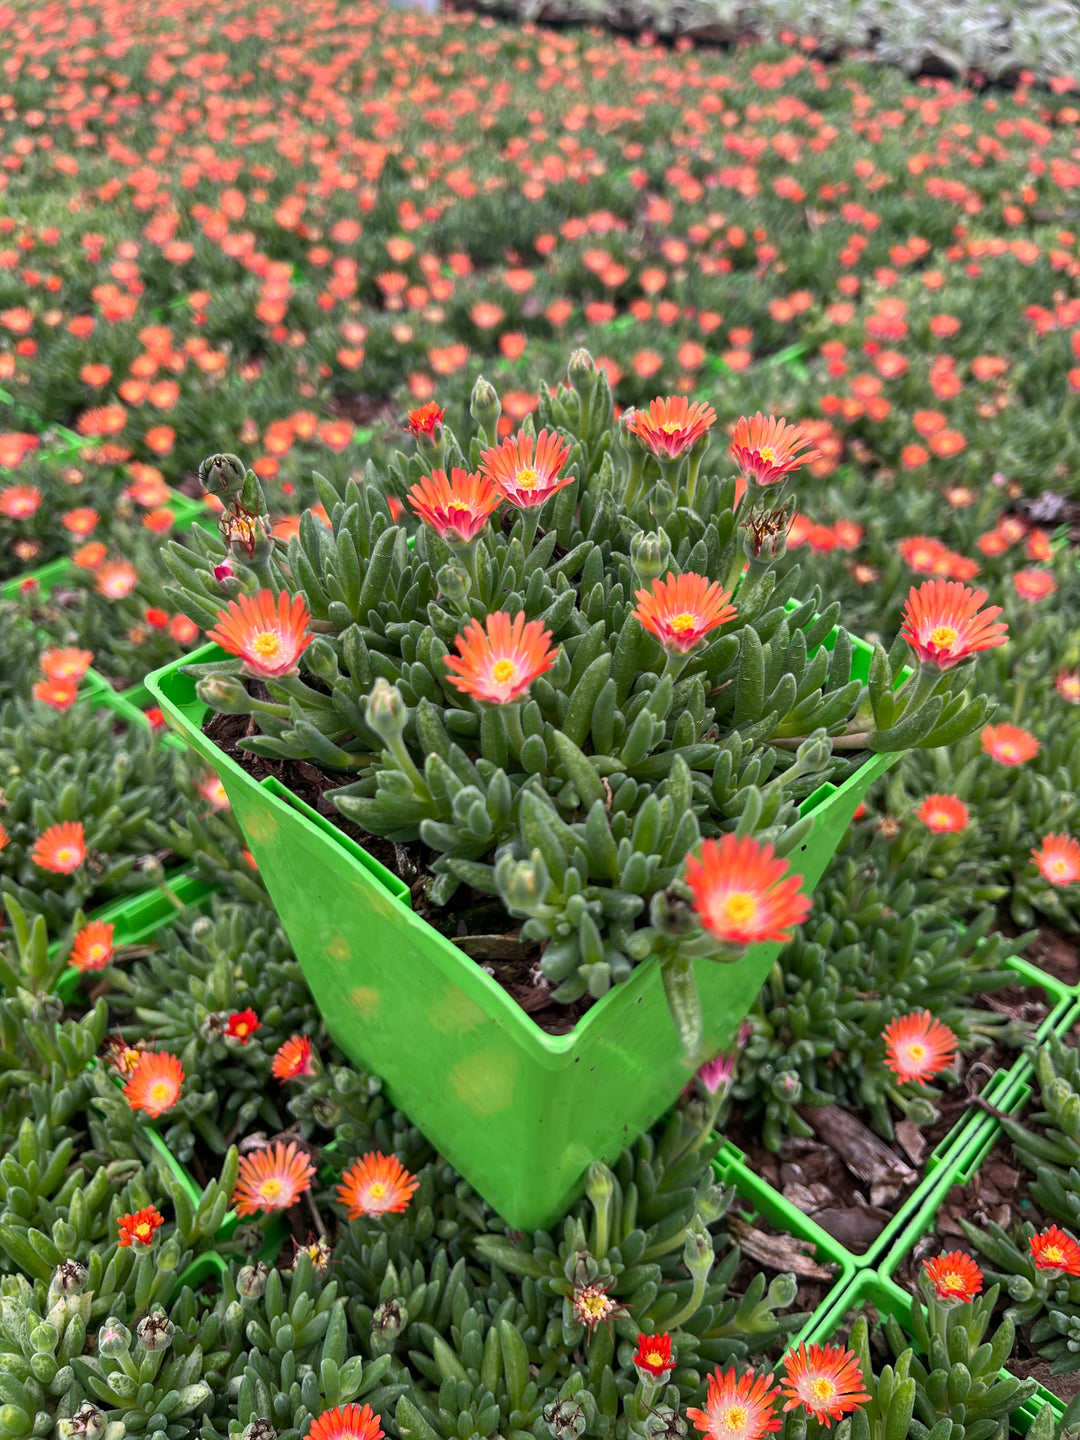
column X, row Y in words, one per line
column 587, row 453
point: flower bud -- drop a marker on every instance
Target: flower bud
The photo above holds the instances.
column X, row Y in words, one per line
column 524, row 889
column 650, row 555
column 113, row 1339
column 321, row 660
column 249, row 537
column 152, row 870
column 485, row 407
column 787, row 1087
column 155, row 1332
column 782, row 1291
column 386, row 712
column 202, row 930
column 454, row 583
column 662, row 502
column 672, row 915
column 251, row 1281
column 389, row 1319
column 69, row 1278
column 920, row 1111
column 1020, row 1289
column 565, row 1419
column 223, row 572
column 599, row 1181
column 582, row 372
column 713, row 1204
column 222, row 475
column 225, row 694
column 812, row 755
column 629, row 439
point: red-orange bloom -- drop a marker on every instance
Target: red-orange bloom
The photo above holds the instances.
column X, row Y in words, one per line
column 670, row 427
column 1058, row 859
column 269, row 635
column 376, row 1185
column 242, row 1025
column 681, row 610
column 346, row 1422
column 61, row 848
column 1034, row 584
column 917, row 1046
column 155, row 1083
column 767, row 451
column 272, row 1178
column 653, row 1355
column 498, row 661
column 93, row 947
column 293, row 1059
column 738, row 1407
column 1009, row 745
column 68, row 664
column 458, row 508
column 743, row 893
column 944, row 625
column 943, row 814
column 1055, row 1250
column 116, row 579
column 18, row 502
column 423, row 420
column 826, row 1379
column 526, row 478
column 954, row 1276
column 139, row 1227
column 921, row 553
column 57, row 694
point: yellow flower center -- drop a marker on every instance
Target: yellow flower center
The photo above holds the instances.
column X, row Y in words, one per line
column 459, row 507
column 160, row 1091
column 377, row 1191
column 597, row 1305
column 940, row 817
column 655, row 1358
column 1054, row 1255
column 952, row 1280
column 1007, row 751
column 733, row 1418
column 740, row 908
column 527, row 478
column 943, row 636
column 97, row 952
column 916, row 1050
column 1058, row 866
column 671, row 427
column 65, row 856
column 266, row 644
column 144, row 1232
column 503, row 671
column 822, row 1388
column 270, row 1189
column 767, row 456
column 685, row 621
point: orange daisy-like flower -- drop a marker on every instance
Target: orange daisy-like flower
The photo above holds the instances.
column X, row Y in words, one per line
column 272, row 1178
column 921, row 553
column 526, row 478
column 19, row 502
column 242, row 1025
column 293, row 1059
column 1058, row 859
column 61, row 848
column 139, row 1227
column 1055, row 1250
column 1009, row 745
column 738, row 1407
column 767, row 451
column 116, row 579
column 155, row 1083
column 346, row 1422
column 269, row 635
column 93, row 947
column 66, row 664
column 499, row 660
column 826, row 1379
column 1067, row 684
column 670, row 427
column 681, row 610
column 456, row 509
column 944, row 625
column 423, row 420
column 653, row 1355
column 743, row 893
column 943, row 814
column 1034, row 584
column 376, row 1185
column 917, row 1046
column 954, row 1276
column 57, row 694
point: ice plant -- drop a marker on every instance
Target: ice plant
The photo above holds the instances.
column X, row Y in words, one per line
column 139, row 1227
column 242, row 1025
column 670, row 427
column 682, row 610
column 1009, row 744
column 57, row 694
column 293, row 1059
column 268, row 634
column 376, row 1185
column 944, row 624
column 944, row 814
column 1058, row 859
column 456, row 509
column 826, row 1380
column 60, row 849
column 526, row 472
column 346, row 1422
column 498, row 661
column 917, row 1047
column 767, row 451
column 272, row 1178
column 93, row 946
column 743, row 893
column 591, row 1305
column 954, row 1276
column 1054, row 1249
column 653, row 1355
column 154, row 1084
column 65, row 664
column 738, row 1407
column 425, row 420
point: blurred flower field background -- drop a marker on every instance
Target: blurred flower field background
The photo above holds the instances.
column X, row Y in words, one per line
column 277, row 231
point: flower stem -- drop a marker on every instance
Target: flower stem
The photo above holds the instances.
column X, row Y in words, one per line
column 633, row 483
column 530, row 519
column 399, row 750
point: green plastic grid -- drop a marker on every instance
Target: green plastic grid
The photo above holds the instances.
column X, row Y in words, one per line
column 888, row 1298
column 45, row 577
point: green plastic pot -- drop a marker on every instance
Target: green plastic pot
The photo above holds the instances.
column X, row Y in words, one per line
column 519, row 1112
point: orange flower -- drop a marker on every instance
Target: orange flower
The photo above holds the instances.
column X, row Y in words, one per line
column 117, row 579
column 917, row 1046
column 456, row 509
column 498, row 661
column 68, row 664
column 767, row 451
column 93, row 947
column 1034, row 584
column 59, row 694
column 376, row 1185
column 139, row 1227
column 524, row 479
column 954, row 1276
column 653, row 1355
column 1058, row 859
column 424, row 420
column 242, row 1025
column 155, row 1083
column 943, row 814
column 1009, row 744
column 270, row 636
column 827, row 1381
column 346, row 1422
column 1067, row 684
column 1055, row 1250
column 738, row 1407
column 921, row 553
column 61, row 848
column 81, row 521
column 681, row 610
column 18, row 502
column 272, row 1178
column 944, row 626
column 742, row 893
column 89, row 556
column 670, row 427
column 293, row 1059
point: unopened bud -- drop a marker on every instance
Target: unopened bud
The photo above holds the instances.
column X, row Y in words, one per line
column 650, row 554
column 251, row 1281
column 920, row 1111
column 155, row 1332
column 524, row 889
column 223, row 572
column 582, row 372
column 454, row 583
column 113, row 1339
column 321, row 660
column 662, row 502
column 782, row 1291
column 1020, row 1289
column 713, row 1204
column 224, row 694
column 787, row 1087
column 202, row 930
column 672, row 915
column 152, row 870
column 599, row 1183
column 222, row 475
column 812, row 755
column 386, row 711
column 485, row 407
